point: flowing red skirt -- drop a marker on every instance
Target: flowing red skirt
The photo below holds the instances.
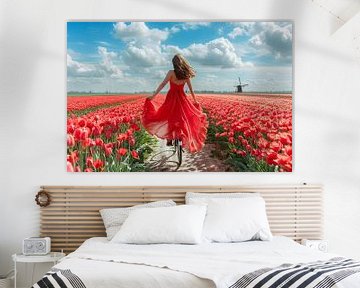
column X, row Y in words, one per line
column 176, row 118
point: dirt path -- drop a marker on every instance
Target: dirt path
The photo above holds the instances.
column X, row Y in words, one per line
column 163, row 159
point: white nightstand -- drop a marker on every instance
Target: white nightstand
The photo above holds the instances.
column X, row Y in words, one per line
column 53, row 257
column 320, row 245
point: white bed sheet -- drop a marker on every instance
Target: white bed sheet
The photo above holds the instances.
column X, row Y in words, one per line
column 100, row 263
column 101, row 274
column 106, row 274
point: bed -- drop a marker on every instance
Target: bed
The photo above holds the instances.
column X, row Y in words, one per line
column 294, row 211
column 99, row 263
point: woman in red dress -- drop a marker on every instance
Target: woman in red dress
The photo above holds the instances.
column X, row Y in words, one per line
column 177, row 117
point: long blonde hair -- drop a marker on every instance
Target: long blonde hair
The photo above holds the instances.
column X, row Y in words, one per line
column 182, row 67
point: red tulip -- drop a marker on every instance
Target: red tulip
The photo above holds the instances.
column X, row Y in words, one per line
column 284, row 138
column 73, row 157
column 275, row 146
column 132, row 141
column 87, row 142
column 70, row 128
column 89, row 161
column 135, row 127
column 69, row 167
column 288, row 150
column 99, row 142
column 244, row 142
column 122, row 137
column 77, row 134
column 134, row 154
column 98, row 164
column 262, row 143
column 129, row 132
column 122, row 151
column 283, row 159
column 272, row 158
column 241, row 153
column 287, row 167
column 82, row 122
column 96, row 131
column 108, row 148
column 271, row 136
column 70, row 141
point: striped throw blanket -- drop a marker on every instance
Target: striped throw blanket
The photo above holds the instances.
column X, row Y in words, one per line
column 59, row 278
column 320, row 274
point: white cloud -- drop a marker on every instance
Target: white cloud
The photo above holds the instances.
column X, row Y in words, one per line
column 171, row 49
column 103, row 43
column 107, row 63
column 211, row 76
column 143, row 56
column 219, row 53
column 241, row 28
column 138, row 33
column 105, row 68
column 143, row 44
column 175, row 29
column 191, row 25
column 195, row 24
column 237, row 31
column 275, row 38
column 144, row 48
column 78, row 69
column 267, row 37
column 159, row 74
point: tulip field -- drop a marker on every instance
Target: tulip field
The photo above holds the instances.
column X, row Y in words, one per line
column 81, row 103
column 251, row 133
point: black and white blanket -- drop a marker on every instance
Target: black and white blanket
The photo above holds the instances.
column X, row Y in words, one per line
column 59, row 278
column 319, row 274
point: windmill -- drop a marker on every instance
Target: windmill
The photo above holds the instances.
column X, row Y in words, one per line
column 239, row 86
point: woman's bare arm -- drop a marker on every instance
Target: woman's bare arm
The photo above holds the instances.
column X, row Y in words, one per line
column 161, row 85
column 188, row 82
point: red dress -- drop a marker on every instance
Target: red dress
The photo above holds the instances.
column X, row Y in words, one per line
column 176, row 118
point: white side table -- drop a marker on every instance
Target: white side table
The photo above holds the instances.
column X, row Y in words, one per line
column 53, row 257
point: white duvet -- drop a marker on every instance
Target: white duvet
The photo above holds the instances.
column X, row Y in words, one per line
column 100, row 263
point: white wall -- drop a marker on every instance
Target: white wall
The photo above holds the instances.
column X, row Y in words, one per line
column 33, row 105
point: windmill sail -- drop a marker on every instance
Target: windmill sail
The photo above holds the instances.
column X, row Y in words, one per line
column 239, row 86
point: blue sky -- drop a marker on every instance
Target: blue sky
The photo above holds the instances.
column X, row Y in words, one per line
column 135, row 56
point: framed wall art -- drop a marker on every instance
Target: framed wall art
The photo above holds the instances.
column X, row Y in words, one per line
column 179, row 96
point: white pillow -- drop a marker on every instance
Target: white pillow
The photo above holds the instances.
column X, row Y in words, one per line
column 180, row 224
column 236, row 220
column 203, row 198
column 113, row 218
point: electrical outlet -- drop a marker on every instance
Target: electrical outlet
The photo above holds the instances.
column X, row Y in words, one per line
column 320, row 245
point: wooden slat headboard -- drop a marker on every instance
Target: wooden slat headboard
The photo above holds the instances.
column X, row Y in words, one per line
column 73, row 215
